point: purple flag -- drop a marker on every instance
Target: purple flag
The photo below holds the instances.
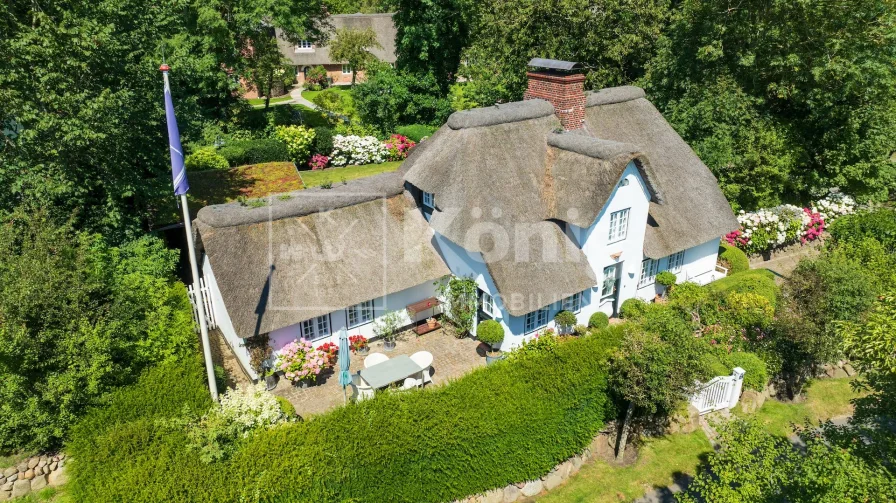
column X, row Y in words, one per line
column 178, row 173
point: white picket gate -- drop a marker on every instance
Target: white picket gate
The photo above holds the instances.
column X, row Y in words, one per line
column 719, row 393
column 207, row 303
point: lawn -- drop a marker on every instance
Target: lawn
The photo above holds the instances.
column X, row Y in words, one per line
column 260, row 101
column 338, row 175
column 661, row 460
column 825, row 399
column 345, row 91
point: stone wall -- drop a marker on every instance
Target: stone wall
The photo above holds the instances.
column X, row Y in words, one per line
column 32, row 474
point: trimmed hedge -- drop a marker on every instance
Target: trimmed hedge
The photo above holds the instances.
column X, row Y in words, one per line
column 242, row 152
column 723, row 363
column 736, row 259
column 416, row 132
column 598, row 320
column 759, row 281
column 509, row 422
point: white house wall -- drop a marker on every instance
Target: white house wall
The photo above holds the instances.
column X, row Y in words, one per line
column 699, row 267
column 339, row 319
column 595, row 245
column 225, row 325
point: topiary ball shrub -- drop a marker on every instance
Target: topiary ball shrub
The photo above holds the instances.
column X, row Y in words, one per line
column 565, row 318
column 734, row 259
column 490, row 332
column 666, row 279
column 632, row 309
column 598, row 320
column 205, row 159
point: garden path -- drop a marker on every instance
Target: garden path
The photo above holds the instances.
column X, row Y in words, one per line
column 296, row 94
column 452, row 358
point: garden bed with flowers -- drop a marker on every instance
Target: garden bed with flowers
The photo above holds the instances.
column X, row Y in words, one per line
column 770, row 228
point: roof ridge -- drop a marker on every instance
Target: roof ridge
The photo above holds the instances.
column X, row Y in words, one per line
column 613, row 95
column 501, row 113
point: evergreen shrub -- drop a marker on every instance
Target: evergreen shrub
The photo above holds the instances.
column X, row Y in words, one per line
column 632, row 308
column 760, row 281
column 504, row 423
column 205, row 159
column 734, row 258
column 242, row 152
column 598, row 320
column 490, row 332
column 416, row 132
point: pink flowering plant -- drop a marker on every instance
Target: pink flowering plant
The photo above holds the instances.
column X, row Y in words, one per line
column 398, row 147
column 300, row 361
column 318, row 161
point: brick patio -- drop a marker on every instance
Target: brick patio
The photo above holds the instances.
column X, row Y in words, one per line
column 452, row 358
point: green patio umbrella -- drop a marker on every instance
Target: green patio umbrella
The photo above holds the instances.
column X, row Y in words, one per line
column 345, row 377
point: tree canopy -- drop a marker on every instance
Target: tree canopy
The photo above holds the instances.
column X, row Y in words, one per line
column 353, row 47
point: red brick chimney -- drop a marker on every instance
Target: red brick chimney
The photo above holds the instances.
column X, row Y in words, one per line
column 565, row 91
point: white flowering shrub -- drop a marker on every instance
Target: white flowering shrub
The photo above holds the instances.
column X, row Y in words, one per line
column 251, row 407
column 765, row 229
column 354, row 150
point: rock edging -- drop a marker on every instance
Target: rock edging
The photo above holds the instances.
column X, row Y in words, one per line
column 33, row 474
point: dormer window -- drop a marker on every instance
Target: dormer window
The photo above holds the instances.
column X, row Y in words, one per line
column 429, row 200
column 305, row 46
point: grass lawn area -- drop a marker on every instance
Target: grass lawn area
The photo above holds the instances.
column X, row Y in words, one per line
column 337, row 175
column 45, row 495
column 345, row 91
column 260, row 101
column 226, row 185
column 661, row 459
column 658, row 461
column 825, row 399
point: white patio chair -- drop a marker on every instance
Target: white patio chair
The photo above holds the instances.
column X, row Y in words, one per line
column 364, row 390
column 373, row 359
column 424, row 360
column 410, row 383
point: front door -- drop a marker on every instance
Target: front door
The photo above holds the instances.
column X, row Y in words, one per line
column 610, row 287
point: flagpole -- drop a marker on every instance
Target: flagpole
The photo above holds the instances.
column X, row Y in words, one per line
column 180, row 188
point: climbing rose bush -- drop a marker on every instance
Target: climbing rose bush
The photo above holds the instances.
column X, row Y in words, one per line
column 355, row 150
column 398, row 147
column 300, row 361
column 770, row 228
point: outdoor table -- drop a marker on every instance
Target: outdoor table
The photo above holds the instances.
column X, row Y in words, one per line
column 391, row 370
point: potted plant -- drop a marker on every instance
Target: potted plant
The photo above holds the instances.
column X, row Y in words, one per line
column 358, row 344
column 386, row 328
column 491, row 333
column 431, row 322
column 331, row 352
column 259, row 358
column 301, row 363
column 565, row 321
column 666, row 279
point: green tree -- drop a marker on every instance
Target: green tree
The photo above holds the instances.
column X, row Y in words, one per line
column 78, row 318
column 82, row 107
column 430, row 36
column 612, row 39
column 772, row 91
column 752, row 466
column 390, row 98
column 353, row 47
column 654, row 372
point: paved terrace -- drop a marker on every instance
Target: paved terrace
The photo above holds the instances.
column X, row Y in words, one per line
column 452, row 358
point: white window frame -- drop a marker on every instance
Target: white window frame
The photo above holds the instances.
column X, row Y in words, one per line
column 649, row 268
column 305, row 46
column 488, row 304
column 316, row 328
column 429, row 200
column 676, row 261
column 614, row 269
column 362, row 314
column 344, row 72
column 618, row 225
column 573, row 303
column 536, row 320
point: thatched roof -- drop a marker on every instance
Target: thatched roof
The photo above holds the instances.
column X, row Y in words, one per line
column 502, row 174
column 276, row 272
column 693, row 209
column 381, row 24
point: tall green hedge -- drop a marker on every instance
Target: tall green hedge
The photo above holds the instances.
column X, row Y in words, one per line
column 509, row 422
column 242, row 152
column 759, row 281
